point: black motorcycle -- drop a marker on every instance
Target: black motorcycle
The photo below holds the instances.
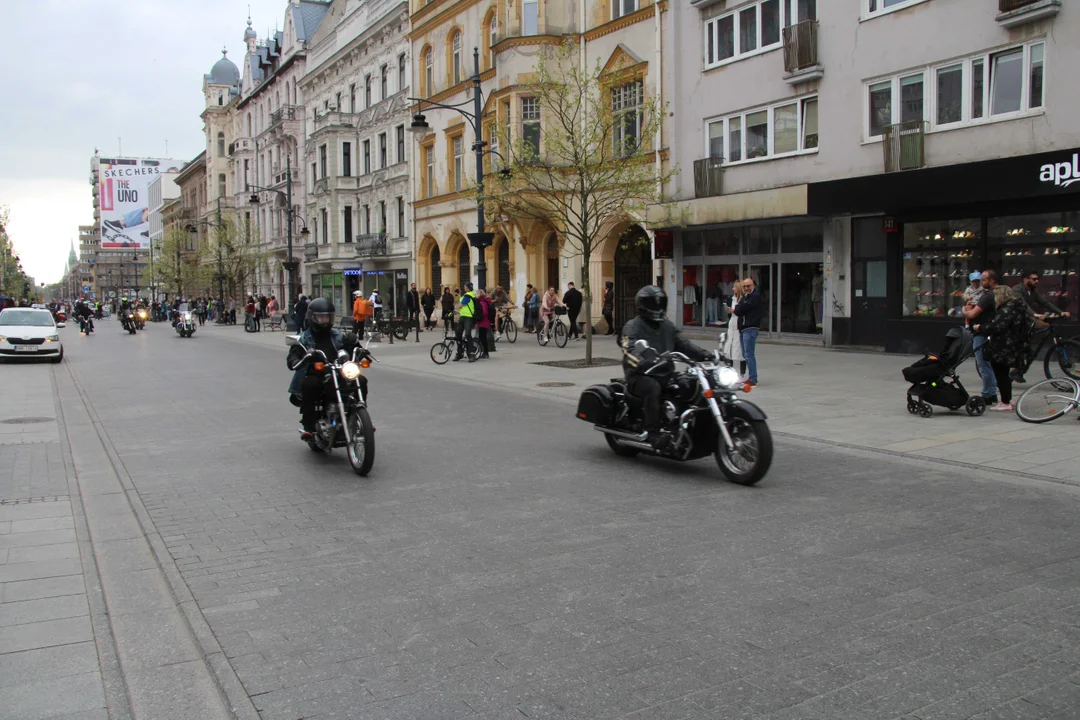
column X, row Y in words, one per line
column 344, row 421
column 127, row 320
column 703, row 416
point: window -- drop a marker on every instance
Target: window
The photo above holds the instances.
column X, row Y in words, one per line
column 464, row 264
column 781, row 130
column 429, row 71
column 384, row 82
column 493, row 145
column 456, row 58
column 367, row 218
column 382, row 216
column 346, row 159
column 322, row 161
column 367, row 156
column 938, row 257
column 459, row 162
column 530, row 126
column 530, row 17
column 400, row 201
column 493, row 38
column 402, row 82
column 429, row 174
column 325, row 226
column 367, row 91
column 221, row 186
column 400, row 143
column 623, row 7
column 221, row 144
column 352, row 98
column 983, row 88
column 382, row 150
column 878, row 7
column 626, row 102
column 337, row 103
column 348, row 224
column 314, row 175
column 752, row 29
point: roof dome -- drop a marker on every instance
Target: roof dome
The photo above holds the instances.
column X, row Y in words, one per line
column 225, row 71
column 249, row 33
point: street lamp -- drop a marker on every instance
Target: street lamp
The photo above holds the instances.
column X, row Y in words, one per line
column 290, row 264
column 479, row 239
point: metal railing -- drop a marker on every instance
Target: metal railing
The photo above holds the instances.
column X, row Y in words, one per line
column 800, row 46
column 371, row 244
column 1010, row 5
column 285, row 112
column 708, row 177
column 904, row 145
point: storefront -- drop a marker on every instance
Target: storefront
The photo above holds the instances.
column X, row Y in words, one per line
column 392, row 284
column 917, row 235
column 785, row 259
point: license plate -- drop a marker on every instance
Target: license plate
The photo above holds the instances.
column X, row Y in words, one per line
column 26, row 348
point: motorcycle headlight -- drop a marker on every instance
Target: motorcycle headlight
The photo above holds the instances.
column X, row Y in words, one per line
column 727, row 377
column 350, row 370
column 187, row 316
column 142, row 314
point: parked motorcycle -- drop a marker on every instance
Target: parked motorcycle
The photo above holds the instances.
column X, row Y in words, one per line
column 702, row 412
column 185, row 323
column 344, row 420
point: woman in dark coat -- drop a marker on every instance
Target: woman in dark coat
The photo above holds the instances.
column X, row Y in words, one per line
column 447, row 308
column 1008, row 332
column 427, row 301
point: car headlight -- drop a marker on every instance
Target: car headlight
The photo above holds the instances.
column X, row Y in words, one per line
column 728, row 377
column 350, row 370
column 52, row 338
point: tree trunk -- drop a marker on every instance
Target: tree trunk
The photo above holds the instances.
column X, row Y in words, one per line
column 586, row 286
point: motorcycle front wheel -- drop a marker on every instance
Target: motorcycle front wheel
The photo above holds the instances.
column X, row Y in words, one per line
column 751, row 457
column 361, row 448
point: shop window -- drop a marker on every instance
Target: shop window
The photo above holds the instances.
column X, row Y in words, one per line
column 692, row 244
column 722, row 242
column 801, row 288
column 802, row 238
column 759, row 240
column 1047, row 244
column 719, row 288
column 938, row 257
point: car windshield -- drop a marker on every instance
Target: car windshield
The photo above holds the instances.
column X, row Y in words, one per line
column 26, row 318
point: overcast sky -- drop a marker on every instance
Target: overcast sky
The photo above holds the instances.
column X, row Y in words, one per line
column 77, row 75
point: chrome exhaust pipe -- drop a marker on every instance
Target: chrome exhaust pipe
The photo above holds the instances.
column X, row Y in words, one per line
column 622, row 435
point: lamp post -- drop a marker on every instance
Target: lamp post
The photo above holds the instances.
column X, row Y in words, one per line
column 135, row 262
column 480, row 240
column 290, row 263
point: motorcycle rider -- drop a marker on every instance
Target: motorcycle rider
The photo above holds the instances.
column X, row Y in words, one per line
column 652, row 326
column 307, row 382
column 85, row 315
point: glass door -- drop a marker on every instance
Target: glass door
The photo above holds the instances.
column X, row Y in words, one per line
column 764, row 275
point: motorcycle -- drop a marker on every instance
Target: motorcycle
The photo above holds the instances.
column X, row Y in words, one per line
column 185, row 323
column 703, row 415
column 344, row 420
column 86, row 325
column 141, row 316
column 127, row 321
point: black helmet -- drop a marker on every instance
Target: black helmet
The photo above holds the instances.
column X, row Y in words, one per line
column 320, row 314
column 651, row 303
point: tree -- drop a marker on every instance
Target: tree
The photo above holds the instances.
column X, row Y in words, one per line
column 592, row 167
column 176, row 268
column 240, row 254
column 13, row 281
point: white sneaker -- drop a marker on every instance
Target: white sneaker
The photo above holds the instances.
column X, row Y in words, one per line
column 1003, row 407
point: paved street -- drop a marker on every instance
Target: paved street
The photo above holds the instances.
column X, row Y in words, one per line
column 500, row 562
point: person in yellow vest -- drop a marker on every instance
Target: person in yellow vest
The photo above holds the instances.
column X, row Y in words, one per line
column 470, row 309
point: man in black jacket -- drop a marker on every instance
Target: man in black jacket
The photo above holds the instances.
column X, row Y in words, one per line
column 749, row 313
column 412, row 303
column 645, row 373
column 572, row 300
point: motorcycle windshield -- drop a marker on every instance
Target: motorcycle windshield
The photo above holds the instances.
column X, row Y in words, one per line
column 184, row 308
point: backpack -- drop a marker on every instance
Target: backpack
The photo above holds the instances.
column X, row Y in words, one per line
column 363, row 309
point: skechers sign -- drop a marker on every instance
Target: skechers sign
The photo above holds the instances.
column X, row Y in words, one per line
column 1062, row 174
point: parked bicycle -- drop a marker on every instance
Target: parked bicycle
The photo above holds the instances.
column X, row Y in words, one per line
column 507, row 328
column 1062, row 353
column 1048, row 400
column 444, row 351
column 556, row 328
column 398, row 327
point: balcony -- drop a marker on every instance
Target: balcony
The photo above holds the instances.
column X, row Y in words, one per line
column 1013, row 13
column 371, row 245
column 283, row 113
column 904, row 145
column 335, row 118
column 801, row 53
column 708, row 177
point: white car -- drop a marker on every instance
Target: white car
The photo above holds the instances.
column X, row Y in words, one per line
column 28, row 332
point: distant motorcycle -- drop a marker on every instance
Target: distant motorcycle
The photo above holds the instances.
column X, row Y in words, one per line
column 127, row 321
column 141, row 316
column 185, row 323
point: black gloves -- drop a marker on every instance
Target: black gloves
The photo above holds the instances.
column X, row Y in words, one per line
column 296, row 354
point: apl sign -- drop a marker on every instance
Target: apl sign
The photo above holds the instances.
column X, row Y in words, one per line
column 1062, row 174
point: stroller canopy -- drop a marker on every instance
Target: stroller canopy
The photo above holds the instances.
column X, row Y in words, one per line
column 958, row 347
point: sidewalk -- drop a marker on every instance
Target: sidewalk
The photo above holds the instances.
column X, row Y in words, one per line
column 851, row 399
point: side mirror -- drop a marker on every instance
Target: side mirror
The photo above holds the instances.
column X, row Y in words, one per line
column 61, row 325
column 640, row 346
column 292, row 340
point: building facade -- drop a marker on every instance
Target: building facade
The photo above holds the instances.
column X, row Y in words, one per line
column 357, row 155
column 192, row 182
column 160, row 191
column 859, row 160
column 622, row 36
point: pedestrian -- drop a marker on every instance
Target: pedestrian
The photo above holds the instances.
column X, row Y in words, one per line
column 483, row 321
column 447, row 302
column 251, row 312
column 732, row 349
column 973, row 291
column 609, row 307
column 547, row 309
column 749, row 313
column 376, row 304
column 262, row 306
column 272, row 307
column 232, row 310
column 300, row 312
column 1037, row 310
column 1008, row 334
column 427, row 302
column 979, row 315
column 572, row 300
column 202, row 312
column 361, row 313
column 534, row 311
column 526, row 304
column 469, row 311
column 499, row 301
column 412, row 304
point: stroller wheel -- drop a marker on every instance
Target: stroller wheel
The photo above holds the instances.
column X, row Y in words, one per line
column 926, row 410
column 912, row 407
column 976, row 406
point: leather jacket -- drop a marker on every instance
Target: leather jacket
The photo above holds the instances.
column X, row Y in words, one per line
column 662, row 337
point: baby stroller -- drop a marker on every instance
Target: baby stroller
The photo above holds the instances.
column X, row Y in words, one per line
column 934, row 380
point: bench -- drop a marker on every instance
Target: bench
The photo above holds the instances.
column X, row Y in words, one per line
column 277, row 322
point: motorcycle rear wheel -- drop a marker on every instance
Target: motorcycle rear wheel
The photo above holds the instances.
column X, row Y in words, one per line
column 618, row 448
column 361, row 450
column 752, row 460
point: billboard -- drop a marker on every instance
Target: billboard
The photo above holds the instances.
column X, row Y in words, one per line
column 123, row 199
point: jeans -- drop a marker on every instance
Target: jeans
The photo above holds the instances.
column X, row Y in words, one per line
column 573, row 324
column 748, row 338
column 464, row 335
column 989, row 388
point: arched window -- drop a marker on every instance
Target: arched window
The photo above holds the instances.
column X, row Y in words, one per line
column 221, row 144
column 456, row 58
column 464, row 265
column 504, row 264
column 436, row 270
column 429, row 72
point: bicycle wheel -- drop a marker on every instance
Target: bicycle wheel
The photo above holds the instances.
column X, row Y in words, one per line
column 441, row 352
column 561, row 335
column 1065, row 357
column 510, row 330
column 1048, row 400
column 541, row 336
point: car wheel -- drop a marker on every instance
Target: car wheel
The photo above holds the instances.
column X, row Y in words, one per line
column 60, row 357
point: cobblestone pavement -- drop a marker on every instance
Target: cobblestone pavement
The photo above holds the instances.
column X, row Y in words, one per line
column 501, row 563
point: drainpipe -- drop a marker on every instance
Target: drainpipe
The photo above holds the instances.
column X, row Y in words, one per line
column 658, row 139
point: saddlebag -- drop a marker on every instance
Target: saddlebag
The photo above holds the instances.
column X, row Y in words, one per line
column 596, row 405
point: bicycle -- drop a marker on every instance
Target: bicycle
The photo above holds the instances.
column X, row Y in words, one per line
column 398, row 327
column 556, row 328
column 1048, row 400
column 508, row 328
column 1067, row 352
column 442, row 352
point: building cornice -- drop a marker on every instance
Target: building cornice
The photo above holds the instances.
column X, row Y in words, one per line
column 448, row 197
column 625, row 21
column 427, row 18
column 515, row 41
